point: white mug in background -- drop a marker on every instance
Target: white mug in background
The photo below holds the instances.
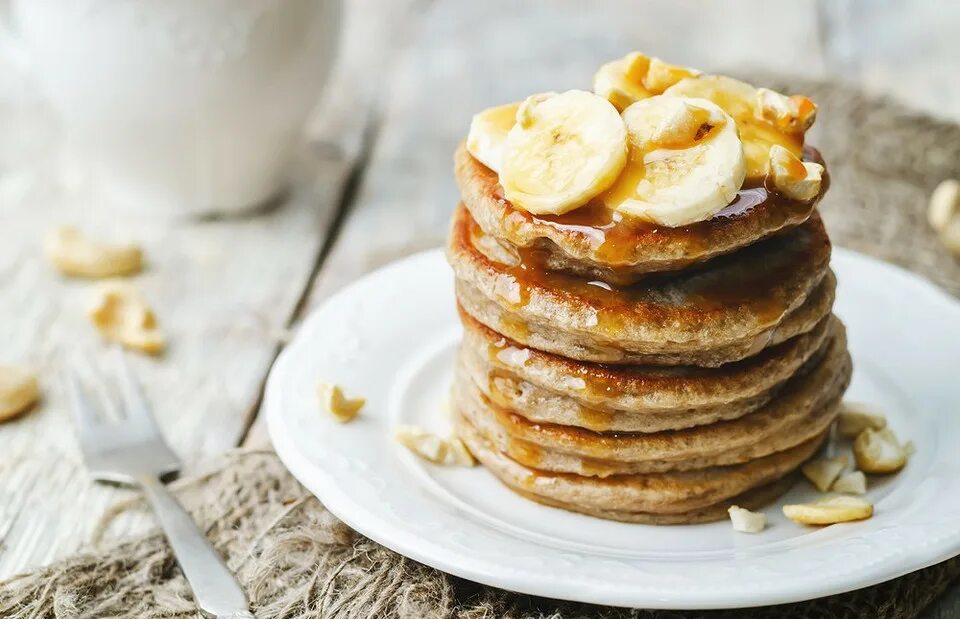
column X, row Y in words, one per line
column 184, row 106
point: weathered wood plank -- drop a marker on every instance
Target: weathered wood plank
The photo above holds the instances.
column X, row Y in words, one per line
column 223, row 290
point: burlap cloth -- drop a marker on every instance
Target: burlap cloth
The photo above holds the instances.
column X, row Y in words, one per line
column 296, row 560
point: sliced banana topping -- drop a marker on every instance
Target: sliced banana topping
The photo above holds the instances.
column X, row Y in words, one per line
column 796, row 179
column 794, row 114
column 686, row 161
column 855, row 417
column 830, row 510
column 488, row 134
column 684, row 123
column 635, row 77
column 564, row 150
column 621, row 81
column 879, row 451
column 661, row 75
column 823, row 472
column 677, row 159
column 740, row 100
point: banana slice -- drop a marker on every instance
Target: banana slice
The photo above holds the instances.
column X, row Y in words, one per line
column 635, row 77
column 661, row 75
column 564, row 150
column 741, row 101
column 686, row 161
column 621, row 81
column 488, row 134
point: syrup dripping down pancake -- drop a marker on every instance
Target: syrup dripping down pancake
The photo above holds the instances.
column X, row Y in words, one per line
column 731, row 308
column 805, row 407
column 552, row 389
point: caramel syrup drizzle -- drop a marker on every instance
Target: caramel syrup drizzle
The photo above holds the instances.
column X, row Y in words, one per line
column 758, row 292
column 614, row 236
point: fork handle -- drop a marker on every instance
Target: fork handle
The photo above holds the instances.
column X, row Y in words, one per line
column 216, row 590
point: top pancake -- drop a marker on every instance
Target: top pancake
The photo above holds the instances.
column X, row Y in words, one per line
column 598, row 243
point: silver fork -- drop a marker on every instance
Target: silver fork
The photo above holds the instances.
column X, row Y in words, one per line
column 132, row 451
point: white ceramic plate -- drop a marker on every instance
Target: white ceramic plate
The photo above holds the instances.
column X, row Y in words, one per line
column 391, row 337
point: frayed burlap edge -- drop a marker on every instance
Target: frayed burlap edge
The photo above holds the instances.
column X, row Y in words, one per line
column 297, row 561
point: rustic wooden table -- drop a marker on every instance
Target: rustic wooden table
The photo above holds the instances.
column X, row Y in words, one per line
column 375, row 185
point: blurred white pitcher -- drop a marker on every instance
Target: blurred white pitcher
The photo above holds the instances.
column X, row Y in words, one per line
column 190, row 106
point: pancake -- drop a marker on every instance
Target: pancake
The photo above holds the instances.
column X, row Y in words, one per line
column 753, row 499
column 552, row 389
column 807, row 406
column 656, row 493
column 730, row 309
column 595, row 242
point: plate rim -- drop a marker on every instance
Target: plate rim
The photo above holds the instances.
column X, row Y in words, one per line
column 383, row 532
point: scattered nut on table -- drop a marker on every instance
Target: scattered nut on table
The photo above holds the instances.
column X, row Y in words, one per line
column 854, row 482
column 943, row 213
column 746, row 521
column 944, row 204
column 855, row 417
column 459, row 454
column 122, row 316
column 823, row 472
column 879, row 451
column 434, row 448
column 830, row 510
column 76, row 254
column 425, row 444
column 341, row 407
column 19, row 391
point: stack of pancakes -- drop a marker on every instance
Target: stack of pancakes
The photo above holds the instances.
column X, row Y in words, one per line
column 638, row 372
